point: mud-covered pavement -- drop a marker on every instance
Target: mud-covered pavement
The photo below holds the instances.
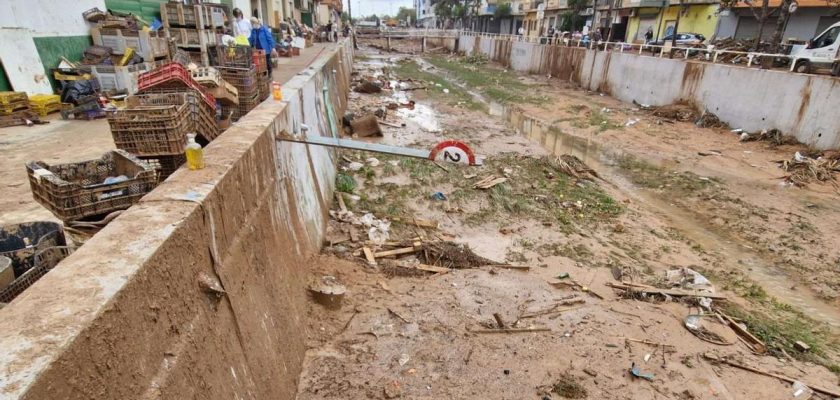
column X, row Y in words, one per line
column 654, row 204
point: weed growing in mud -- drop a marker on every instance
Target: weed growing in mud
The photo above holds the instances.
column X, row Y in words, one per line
column 345, row 183
column 499, row 85
column 408, row 69
column 650, row 176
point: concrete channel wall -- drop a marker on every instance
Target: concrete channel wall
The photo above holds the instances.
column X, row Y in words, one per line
column 132, row 314
column 804, row 106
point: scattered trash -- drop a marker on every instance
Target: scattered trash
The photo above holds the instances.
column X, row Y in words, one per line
column 755, row 344
column 563, row 275
column 355, row 166
column 404, row 358
column 446, row 91
column 632, row 121
column 688, row 278
column 373, row 162
column 802, row 391
column 210, row 285
column 377, row 228
column 636, row 372
column 801, row 346
column 803, row 169
column 453, row 255
column 710, row 120
column 709, row 331
column 439, row 196
column 114, row 179
column 774, row 136
column 328, row 292
column 392, row 390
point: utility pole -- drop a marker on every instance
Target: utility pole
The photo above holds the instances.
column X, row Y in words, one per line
column 610, row 21
column 350, row 11
column 676, row 30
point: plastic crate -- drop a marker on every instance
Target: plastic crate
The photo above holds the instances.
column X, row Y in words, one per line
column 265, row 86
column 232, row 56
column 185, row 37
column 20, row 242
column 165, row 165
column 44, row 260
column 7, row 98
column 112, row 78
column 207, row 76
column 148, row 44
column 75, row 191
column 157, row 124
column 173, row 75
column 258, row 59
column 245, row 80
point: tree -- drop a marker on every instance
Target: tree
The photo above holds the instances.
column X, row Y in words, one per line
column 761, row 12
column 345, row 17
column 571, row 19
column 406, row 14
column 503, row 10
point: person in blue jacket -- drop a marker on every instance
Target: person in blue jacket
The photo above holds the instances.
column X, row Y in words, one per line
column 261, row 39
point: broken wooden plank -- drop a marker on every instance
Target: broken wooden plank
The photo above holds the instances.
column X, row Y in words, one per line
column 648, row 342
column 371, row 258
column 433, row 268
column 511, row 330
column 396, row 314
column 489, row 182
column 390, row 124
column 340, row 197
column 354, row 235
column 755, row 344
column 712, row 357
column 508, row 266
column 553, row 310
column 576, row 285
column 395, row 252
column 669, row 292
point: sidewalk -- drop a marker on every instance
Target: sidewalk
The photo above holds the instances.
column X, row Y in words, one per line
column 289, row 67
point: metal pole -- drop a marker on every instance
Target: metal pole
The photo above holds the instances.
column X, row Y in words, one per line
column 676, row 30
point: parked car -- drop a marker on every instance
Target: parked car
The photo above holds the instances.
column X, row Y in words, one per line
column 682, row 39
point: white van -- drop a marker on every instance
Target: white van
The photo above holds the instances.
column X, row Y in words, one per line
column 820, row 52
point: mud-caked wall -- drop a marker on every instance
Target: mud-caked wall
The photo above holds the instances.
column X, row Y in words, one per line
column 748, row 98
column 199, row 290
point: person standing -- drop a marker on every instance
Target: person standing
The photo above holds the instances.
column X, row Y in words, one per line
column 241, row 26
column 649, row 35
column 329, row 30
column 261, row 40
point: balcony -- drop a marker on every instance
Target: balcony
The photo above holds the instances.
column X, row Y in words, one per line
column 534, row 4
column 557, row 4
column 642, row 3
column 605, row 4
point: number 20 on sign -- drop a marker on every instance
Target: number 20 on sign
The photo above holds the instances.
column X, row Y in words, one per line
column 455, row 152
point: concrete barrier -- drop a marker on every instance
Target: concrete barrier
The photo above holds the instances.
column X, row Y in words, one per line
column 131, row 313
column 800, row 105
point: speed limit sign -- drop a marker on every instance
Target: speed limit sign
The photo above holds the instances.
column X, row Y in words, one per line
column 455, row 152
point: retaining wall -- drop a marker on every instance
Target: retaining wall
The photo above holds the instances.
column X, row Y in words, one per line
column 129, row 315
column 753, row 99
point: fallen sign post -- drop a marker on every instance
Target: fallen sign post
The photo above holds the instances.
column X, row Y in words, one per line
column 450, row 151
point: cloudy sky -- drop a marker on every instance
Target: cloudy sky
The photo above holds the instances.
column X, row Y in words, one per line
column 378, row 7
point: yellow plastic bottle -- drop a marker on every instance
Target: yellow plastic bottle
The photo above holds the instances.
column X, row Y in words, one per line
column 194, row 153
column 276, row 92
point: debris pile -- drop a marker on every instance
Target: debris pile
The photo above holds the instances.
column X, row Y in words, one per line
column 774, row 136
column 710, row 120
column 803, row 169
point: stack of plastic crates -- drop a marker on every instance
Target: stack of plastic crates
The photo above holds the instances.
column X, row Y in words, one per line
column 92, row 188
column 13, row 101
column 155, row 126
column 171, row 76
column 262, row 73
column 247, row 83
column 44, row 104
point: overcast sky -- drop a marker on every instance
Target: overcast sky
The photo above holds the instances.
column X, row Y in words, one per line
column 378, row 7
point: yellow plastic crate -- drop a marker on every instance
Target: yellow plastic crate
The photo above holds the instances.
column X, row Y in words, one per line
column 40, row 100
column 43, row 110
column 7, row 98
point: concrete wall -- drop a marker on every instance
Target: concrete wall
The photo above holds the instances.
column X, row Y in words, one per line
column 749, row 98
column 127, row 315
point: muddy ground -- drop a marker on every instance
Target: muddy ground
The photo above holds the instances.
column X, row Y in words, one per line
column 663, row 195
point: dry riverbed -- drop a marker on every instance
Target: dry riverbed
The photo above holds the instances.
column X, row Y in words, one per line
column 650, row 204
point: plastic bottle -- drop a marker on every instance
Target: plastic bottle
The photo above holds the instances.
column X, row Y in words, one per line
column 275, row 90
column 194, row 153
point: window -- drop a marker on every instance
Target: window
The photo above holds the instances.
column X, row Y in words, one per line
column 828, row 38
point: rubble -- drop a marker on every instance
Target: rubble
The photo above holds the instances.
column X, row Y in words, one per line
column 803, row 170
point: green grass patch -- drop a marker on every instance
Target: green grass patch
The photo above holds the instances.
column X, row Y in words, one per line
column 408, row 69
column 496, row 84
column 650, row 176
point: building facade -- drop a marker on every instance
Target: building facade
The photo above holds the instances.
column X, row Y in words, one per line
column 811, row 18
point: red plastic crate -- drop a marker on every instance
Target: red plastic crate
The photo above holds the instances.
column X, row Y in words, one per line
column 172, row 74
column 258, row 59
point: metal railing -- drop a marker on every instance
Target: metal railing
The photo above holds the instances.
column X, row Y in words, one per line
column 709, row 54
